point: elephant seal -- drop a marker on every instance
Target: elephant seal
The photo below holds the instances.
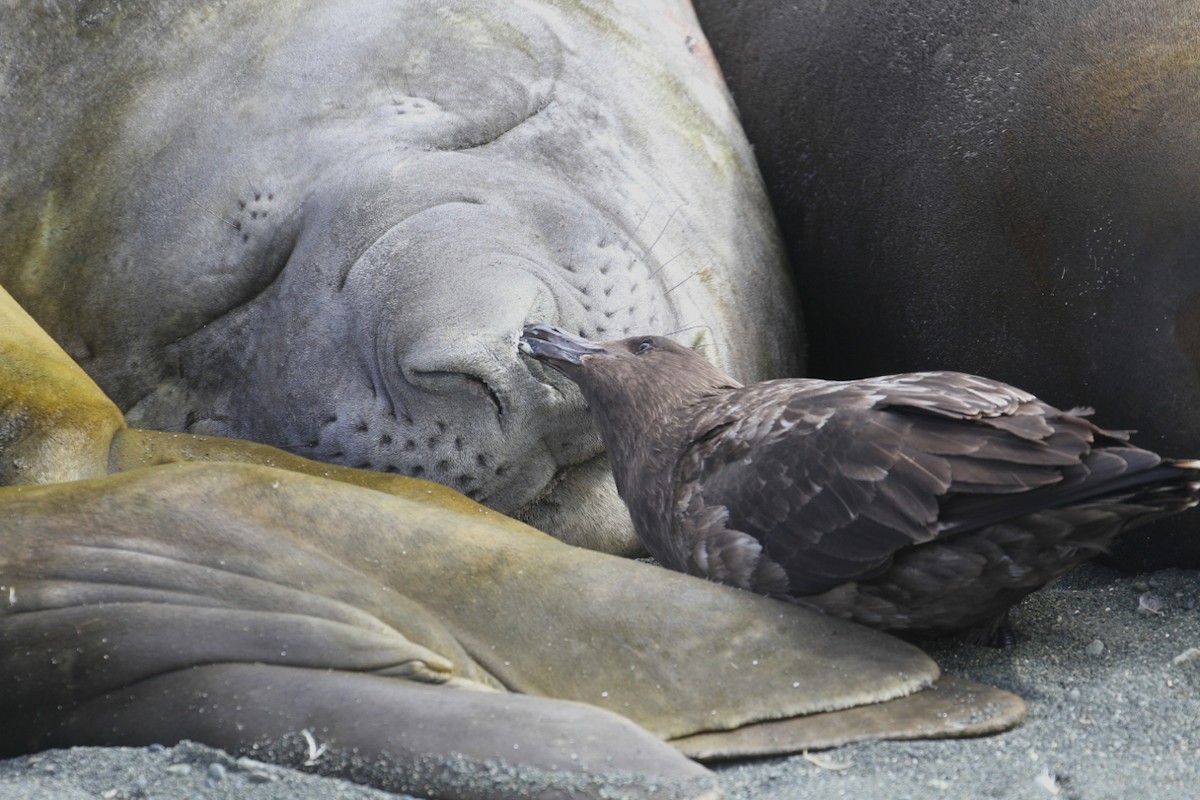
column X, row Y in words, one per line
column 1008, row 189
column 928, row 502
column 224, row 591
column 321, row 225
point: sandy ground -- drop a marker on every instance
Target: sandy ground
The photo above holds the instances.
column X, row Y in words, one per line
column 1110, row 669
column 1109, row 664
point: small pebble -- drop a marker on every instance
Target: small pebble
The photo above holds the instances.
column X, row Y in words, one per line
column 155, row 748
column 1150, row 605
column 257, row 771
column 1073, row 696
column 180, row 769
column 1095, row 648
column 1189, row 656
column 216, row 772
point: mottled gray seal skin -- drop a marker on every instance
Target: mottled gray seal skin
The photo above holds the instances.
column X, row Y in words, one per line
column 1010, row 189
column 927, row 503
column 320, row 225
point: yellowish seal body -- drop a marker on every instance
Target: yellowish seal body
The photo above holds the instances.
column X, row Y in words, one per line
column 56, row 423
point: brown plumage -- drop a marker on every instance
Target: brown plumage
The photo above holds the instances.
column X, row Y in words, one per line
column 927, row 502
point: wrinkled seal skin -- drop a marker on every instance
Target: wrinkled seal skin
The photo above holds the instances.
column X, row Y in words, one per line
column 1010, row 189
column 209, row 601
column 321, row 225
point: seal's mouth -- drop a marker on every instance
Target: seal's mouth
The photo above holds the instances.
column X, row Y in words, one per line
column 556, row 347
column 580, row 506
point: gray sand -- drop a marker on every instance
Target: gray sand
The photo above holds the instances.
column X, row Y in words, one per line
column 1109, row 664
column 185, row 771
column 1114, row 708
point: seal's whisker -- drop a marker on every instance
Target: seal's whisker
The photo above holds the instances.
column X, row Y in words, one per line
column 391, row 91
column 685, row 280
column 633, row 233
column 213, row 214
column 699, row 341
column 664, row 264
column 666, row 224
column 689, row 327
column 645, row 214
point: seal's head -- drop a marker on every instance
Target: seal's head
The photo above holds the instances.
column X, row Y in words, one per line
column 340, row 266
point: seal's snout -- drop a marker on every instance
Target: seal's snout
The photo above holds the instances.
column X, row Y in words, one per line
column 556, row 347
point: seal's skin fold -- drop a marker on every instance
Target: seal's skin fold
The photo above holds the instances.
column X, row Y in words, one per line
column 320, row 225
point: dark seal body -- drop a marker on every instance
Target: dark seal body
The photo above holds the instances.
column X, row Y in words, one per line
column 1008, row 189
column 925, row 502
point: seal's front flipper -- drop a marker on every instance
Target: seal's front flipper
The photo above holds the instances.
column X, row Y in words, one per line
column 397, row 735
column 129, row 618
column 951, row 708
column 55, row 423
